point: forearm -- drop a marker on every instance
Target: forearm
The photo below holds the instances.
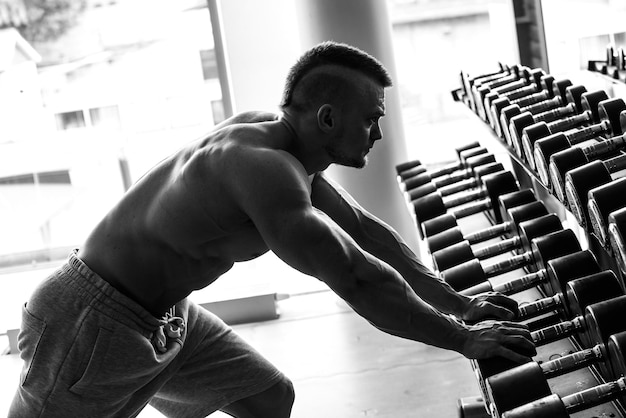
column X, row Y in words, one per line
column 372, row 287
column 387, row 245
column 386, row 300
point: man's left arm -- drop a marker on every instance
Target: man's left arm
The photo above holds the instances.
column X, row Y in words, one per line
column 381, row 241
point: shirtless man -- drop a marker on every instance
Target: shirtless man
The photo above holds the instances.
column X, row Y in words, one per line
column 112, row 330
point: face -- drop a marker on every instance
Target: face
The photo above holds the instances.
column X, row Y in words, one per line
column 359, row 126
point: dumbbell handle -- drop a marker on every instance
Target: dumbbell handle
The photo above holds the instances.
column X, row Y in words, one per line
column 525, row 282
column 577, row 136
column 488, row 233
column 532, row 99
column 573, row 403
column 470, row 196
column 557, row 331
column 597, row 395
column 574, row 361
column 530, row 310
column 508, row 265
column 540, row 107
column 570, row 122
column 473, row 208
column 605, row 147
column 556, row 113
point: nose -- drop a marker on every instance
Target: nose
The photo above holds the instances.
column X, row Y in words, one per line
column 377, row 133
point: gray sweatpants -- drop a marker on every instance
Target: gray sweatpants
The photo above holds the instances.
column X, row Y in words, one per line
column 88, row 352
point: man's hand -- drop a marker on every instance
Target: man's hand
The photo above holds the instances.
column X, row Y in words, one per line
column 499, row 339
column 490, row 305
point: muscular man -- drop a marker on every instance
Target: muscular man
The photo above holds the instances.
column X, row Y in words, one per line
column 112, row 329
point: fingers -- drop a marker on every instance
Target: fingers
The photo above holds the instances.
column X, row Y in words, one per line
column 512, row 355
column 520, row 345
column 491, row 310
column 510, row 340
column 504, row 301
column 517, row 326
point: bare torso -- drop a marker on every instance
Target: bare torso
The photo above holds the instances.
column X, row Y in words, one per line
column 177, row 230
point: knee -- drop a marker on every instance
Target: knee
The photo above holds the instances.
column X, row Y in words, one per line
column 285, row 395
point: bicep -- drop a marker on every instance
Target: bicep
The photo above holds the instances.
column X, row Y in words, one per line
column 333, row 200
column 274, row 192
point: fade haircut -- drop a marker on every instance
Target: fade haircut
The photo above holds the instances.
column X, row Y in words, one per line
column 305, row 87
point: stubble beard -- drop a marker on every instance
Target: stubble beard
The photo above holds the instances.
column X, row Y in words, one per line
column 340, row 158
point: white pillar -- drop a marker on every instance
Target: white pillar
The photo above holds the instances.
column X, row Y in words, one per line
column 366, row 25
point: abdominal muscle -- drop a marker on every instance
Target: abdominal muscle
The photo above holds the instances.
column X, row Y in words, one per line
column 157, row 274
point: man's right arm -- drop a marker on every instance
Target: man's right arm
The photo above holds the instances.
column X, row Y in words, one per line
column 272, row 188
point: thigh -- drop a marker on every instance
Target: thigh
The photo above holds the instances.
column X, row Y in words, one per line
column 81, row 361
column 218, row 368
column 274, row 402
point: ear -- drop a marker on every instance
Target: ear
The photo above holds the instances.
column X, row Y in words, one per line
column 326, row 118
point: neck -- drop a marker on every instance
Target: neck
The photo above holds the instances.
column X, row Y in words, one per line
column 304, row 143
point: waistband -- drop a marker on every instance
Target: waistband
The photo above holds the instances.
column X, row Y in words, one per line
column 106, row 298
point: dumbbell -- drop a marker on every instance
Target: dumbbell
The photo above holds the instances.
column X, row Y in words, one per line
column 528, row 79
column 563, row 161
column 572, row 296
column 494, row 185
column 557, row 98
column 555, row 406
column 518, row 78
column 407, row 165
column 610, row 126
column 563, row 268
column 494, row 101
column 599, row 320
column 466, row 179
column 544, row 248
column 414, row 167
column 418, row 176
column 418, row 185
column 544, row 90
column 467, row 82
column 557, row 117
column 540, row 141
column 533, row 377
column 587, row 113
column 505, row 201
column 617, row 238
column 602, row 201
column 508, row 227
column 580, row 180
column 461, row 252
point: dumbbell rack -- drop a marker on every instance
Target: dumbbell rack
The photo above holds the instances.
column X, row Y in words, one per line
column 580, row 379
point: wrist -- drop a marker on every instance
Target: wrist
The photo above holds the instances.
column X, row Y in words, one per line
column 459, row 304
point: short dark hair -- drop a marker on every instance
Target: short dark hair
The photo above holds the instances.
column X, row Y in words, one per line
column 330, row 54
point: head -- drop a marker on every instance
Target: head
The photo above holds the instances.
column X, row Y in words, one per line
column 340, row 88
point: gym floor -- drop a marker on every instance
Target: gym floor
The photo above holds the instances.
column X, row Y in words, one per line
column 341, row 366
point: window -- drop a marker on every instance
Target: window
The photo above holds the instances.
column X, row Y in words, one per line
column 217, row 107
column 209, row 64
column 70, row 120
column 50, row 177
column 105, row 117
